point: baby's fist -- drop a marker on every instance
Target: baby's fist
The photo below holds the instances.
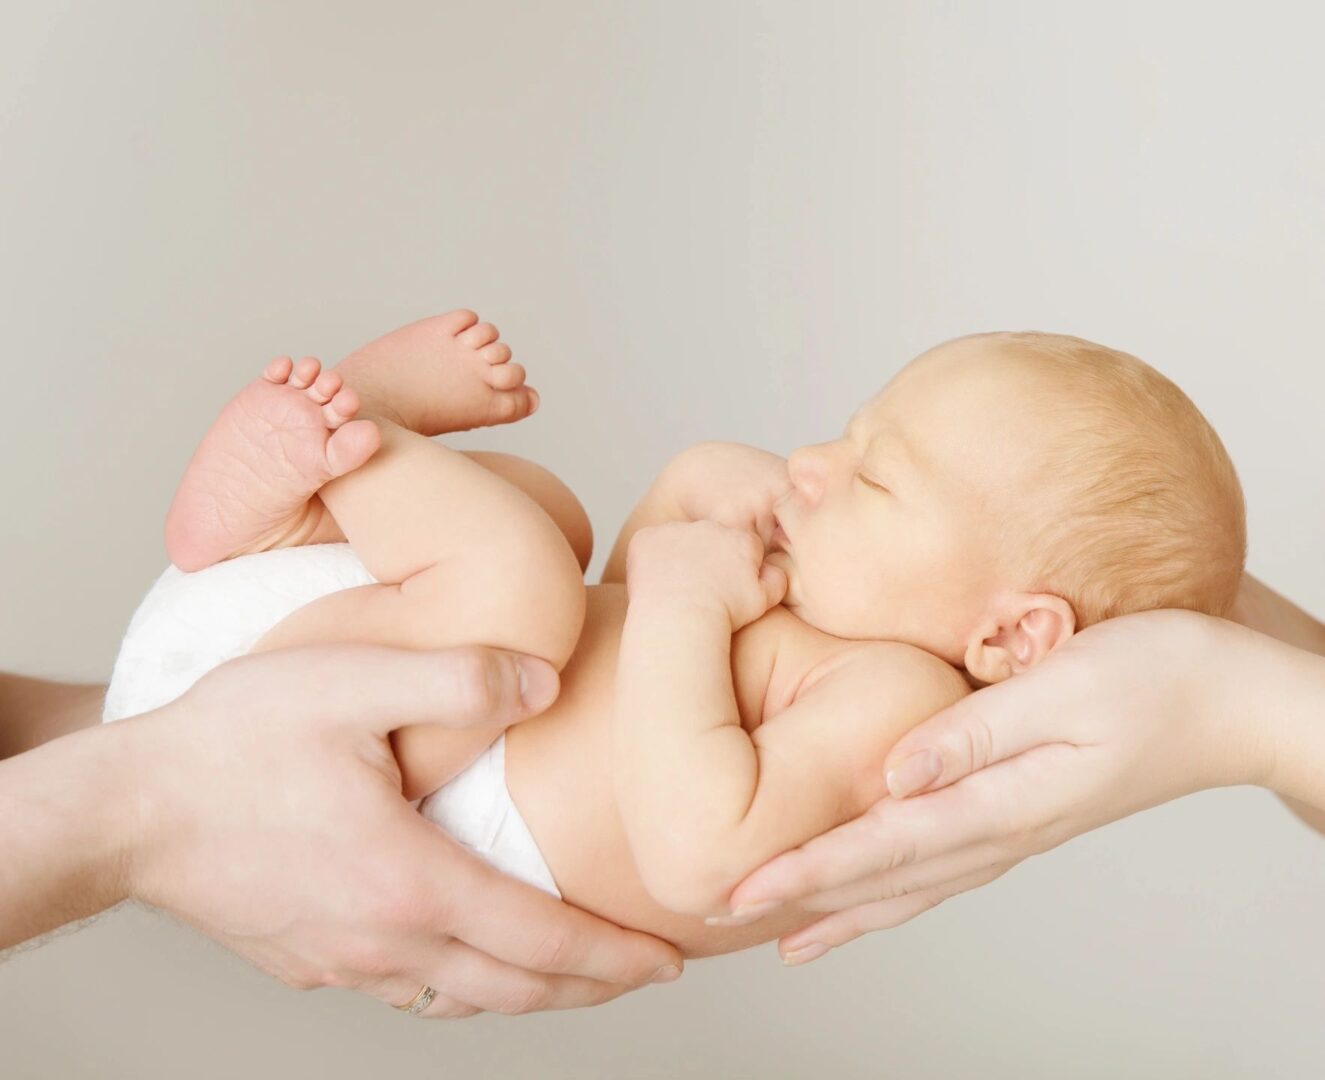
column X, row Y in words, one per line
column 705, row 564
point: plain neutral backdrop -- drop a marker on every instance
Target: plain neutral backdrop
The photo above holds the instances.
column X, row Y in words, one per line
column 691, row 221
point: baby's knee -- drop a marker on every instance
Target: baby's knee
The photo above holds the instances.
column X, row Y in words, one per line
column 546, row 489
column 551, row 596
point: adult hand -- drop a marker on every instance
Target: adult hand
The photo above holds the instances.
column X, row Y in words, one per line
column 1124, row 716
column 271, row 818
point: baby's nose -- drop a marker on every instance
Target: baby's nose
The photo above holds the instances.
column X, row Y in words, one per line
column 806, row 469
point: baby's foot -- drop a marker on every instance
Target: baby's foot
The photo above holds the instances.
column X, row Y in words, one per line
column 252, row 481
column 446, row 373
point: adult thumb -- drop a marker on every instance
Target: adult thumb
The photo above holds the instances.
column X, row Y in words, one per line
column 965, row 737
column 383, row 688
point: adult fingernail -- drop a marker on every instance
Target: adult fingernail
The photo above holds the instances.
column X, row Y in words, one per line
column 538, row 683
column 746, row 913
column 805, row 954
column 666, row 973
column 914, row 773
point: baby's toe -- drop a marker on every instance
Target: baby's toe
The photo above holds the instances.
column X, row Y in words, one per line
column 496, row 353
column 326, row 387
column 453, row 322
column 278, row 370
column 305, row 372
column 477, row 336
column 505, row 377
column 511, row 405
column 341, row 408
column 351, row 446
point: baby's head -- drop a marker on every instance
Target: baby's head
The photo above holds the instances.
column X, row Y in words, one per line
column 1005, row 490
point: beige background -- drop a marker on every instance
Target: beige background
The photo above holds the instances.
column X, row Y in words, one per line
column 691, row 220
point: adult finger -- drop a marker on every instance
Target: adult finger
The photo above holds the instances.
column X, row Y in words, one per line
column 383, row 689
column 988, row 726
column 811, row 942
column 892, row 884
column 399, row 991
column 472, row 978
column 528, row 928
column 889, row 835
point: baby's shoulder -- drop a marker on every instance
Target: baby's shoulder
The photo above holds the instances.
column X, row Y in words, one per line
column 791, row 658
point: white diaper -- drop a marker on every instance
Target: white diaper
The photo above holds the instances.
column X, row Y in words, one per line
column 189, row 623
column 477, row 809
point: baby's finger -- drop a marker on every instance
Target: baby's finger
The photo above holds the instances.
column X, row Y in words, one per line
column 774, row 581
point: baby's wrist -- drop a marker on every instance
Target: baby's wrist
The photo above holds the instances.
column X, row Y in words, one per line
column 667, row 599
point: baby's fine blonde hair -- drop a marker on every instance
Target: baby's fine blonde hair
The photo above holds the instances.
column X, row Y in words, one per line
column 1141, row 505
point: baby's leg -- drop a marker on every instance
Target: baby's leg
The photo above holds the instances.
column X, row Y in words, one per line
column 252, row 483
column 464, row 558
column 540, row 484
column 550, row 492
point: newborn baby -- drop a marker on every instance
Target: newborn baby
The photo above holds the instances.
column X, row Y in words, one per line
column 765, row 630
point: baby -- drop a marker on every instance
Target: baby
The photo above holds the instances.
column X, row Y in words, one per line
column 765, row 630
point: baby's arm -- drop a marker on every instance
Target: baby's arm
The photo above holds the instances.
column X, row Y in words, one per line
column 726, row 482
column 704, row 801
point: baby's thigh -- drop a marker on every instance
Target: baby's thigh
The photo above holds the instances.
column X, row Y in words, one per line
column 546, row 489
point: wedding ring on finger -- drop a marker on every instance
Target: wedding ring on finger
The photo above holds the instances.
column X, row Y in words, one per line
column 419, row 1002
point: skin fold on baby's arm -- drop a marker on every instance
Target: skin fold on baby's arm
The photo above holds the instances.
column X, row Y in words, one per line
column 705, row 801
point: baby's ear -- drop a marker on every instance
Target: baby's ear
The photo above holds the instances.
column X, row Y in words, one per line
column 1021, row 631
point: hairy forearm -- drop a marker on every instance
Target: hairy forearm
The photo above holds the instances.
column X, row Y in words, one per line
column 34, row 711
column 685, row 769
column 67, row 809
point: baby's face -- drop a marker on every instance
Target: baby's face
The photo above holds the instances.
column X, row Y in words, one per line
column 889, row 529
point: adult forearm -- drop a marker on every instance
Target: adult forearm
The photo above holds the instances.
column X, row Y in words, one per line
column 34, row 711
column 684, row 768
column 1260, row 608
column 66, row 814
column 1280, row 693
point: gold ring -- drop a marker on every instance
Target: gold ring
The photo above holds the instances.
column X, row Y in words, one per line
column 419, row 1001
